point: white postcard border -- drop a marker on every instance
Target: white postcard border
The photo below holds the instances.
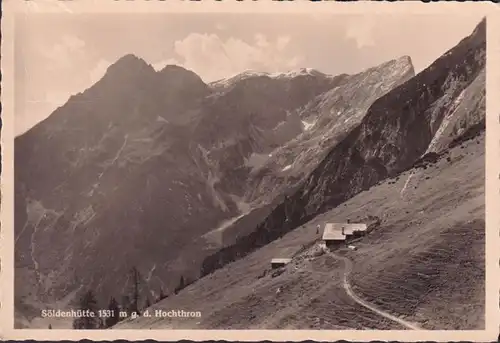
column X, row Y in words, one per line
column 12, row 7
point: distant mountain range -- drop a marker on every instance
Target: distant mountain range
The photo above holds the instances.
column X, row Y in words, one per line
column 163, row 172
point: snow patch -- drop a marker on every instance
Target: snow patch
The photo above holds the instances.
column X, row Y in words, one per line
column 307, row 126
column 287, row 167
column 295, row 73
column 278, row 75
column 256, row 161
column 215, row 236
column 161, row 119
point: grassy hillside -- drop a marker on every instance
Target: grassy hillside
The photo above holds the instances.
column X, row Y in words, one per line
column 428, row 250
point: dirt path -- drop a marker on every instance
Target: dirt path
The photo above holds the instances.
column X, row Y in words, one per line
column 350, row 293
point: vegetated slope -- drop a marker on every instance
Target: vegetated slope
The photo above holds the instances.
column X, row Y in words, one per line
column 138, row 170
column 396, row 132
column 424, row 263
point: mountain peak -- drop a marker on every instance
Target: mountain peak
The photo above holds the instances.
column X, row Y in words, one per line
column 181, row 76
column 172, row 69
column 128, row 68
column 130, row 60
column 405, row 59
column 480, row 28
column 298, row 72
column 402, row 63
column 248, row 74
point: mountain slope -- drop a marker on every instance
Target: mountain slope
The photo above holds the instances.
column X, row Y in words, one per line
column 338, row 109
column 107, row 182
column 424, row 264
column 254, row 115
column 151, row 169
column 267, row 176
column 327, row 120
column 147, row 169
column 395, row 133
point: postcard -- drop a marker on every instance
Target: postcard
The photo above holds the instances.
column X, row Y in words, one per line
column 253, row 170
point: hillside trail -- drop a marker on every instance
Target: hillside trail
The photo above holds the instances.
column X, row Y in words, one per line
column 356, row 298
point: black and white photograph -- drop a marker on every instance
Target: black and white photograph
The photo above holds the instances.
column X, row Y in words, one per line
column 249, row 171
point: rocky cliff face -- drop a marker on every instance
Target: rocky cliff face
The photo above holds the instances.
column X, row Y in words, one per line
column 268, row 175
column 327, row 120
column 421, row 115
column 253, row 114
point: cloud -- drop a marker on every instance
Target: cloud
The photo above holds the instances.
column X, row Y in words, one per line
column 261, row 40
column 64, row 53
column 214, row 58
column 361, row 30
column 283, row 42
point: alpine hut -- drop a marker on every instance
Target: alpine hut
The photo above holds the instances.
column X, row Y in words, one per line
column 333, row 235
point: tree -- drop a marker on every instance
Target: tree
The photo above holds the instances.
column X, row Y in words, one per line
column 88, row 304
column 135, row 292
column 114, row 310
column 180, row 286
column 147, row 303
column 126, row 304
column 161, row 296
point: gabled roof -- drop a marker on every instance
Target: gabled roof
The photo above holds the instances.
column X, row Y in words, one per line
column 281, row 260
column 333, row 232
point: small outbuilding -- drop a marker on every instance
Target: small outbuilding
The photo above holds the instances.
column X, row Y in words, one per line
column 279, row 262
column 359, row 229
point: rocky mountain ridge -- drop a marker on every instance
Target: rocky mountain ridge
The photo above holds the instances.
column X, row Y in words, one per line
column 327, row 120
column 396, row 132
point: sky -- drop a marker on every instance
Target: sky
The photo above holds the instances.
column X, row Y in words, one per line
column 60, row 54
